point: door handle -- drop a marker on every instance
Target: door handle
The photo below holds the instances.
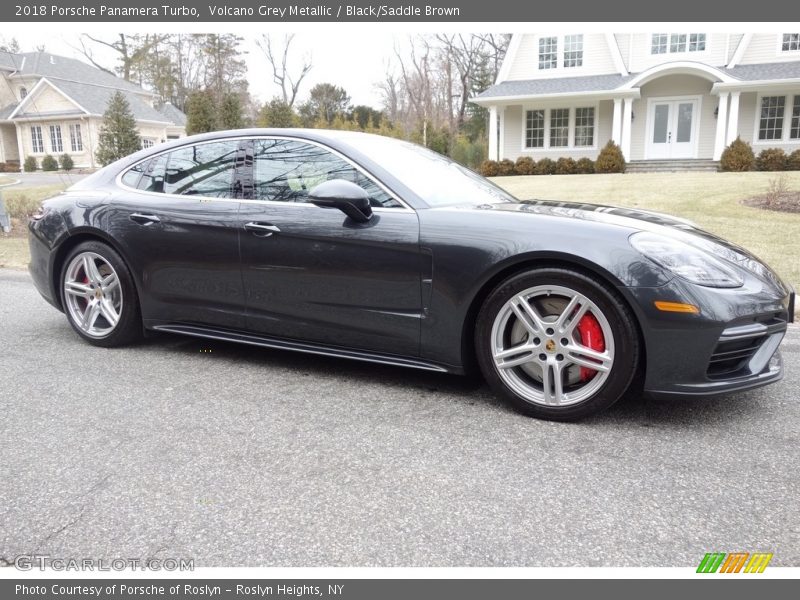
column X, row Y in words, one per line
column 144, row 219
column 261, row 229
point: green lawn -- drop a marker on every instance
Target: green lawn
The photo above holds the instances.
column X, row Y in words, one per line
column 709, row 199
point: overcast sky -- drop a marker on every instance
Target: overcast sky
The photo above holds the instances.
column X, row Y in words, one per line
column 355, row 61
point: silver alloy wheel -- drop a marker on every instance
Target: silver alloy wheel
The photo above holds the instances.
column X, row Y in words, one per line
column 535, row 342
column 92, row 294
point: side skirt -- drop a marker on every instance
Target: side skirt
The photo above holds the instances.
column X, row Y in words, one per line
column 307, row 347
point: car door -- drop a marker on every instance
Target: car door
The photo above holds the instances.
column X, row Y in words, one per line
column 177, row 221
column 312, row 273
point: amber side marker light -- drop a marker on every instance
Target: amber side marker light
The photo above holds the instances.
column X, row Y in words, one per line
column 679, row 307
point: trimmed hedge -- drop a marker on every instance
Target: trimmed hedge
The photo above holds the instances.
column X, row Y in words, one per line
column 584, row 166
column 610, row 159
column 66, row 162
column 525, row 166
column 772, row 159
column 489, row 168
column 49, row 163
column 793, row 162
column 30, row 164
column 505, row 167
column 737, row 157
column 566, row 166
column 545, row 166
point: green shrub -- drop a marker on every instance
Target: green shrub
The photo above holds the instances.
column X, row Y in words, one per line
column 468, row 153
column 545, row 167
column 737, row 157
column 489, row 168
column 793, row 162
column 771, row 159
column 584, row 165
column 525, row 166
column 505, row 167
column 21, row 206
column 49, row 163
column 566, row 166
column 30, row 164
column 610, row 159
column 66, row 162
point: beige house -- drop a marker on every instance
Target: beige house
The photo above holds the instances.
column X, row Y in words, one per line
column 54, row 105
column 673, row 96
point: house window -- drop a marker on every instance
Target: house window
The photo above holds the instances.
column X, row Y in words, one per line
column 790, row 42
column 147, row 143
column 794, row 131
column 548, row 52
column 37, row 143
column 23, row 91
column 584, row 127
column 658, row 44
column 559, row 128
column 697, row 42
column 573, row 50
column 770, row 125
column 75, row 139
column 55, row 139
column 661, row 43
column 534, row 129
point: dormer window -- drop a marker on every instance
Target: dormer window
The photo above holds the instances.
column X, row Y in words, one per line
column 790, row 42
column 22, row 93
column 677, row 43
column 565, row 51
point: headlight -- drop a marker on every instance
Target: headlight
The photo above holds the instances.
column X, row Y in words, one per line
column 684, row 260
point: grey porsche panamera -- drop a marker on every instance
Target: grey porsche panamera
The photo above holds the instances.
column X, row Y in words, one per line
column 364, row 247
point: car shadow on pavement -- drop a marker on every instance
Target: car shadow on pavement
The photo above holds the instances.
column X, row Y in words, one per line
column 634, row 409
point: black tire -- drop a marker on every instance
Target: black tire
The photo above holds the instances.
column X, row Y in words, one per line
column 128, row 329
column 617, row 316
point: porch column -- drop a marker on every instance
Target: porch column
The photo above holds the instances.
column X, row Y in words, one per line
column 627, row 123
column 501, row 149
column 616, row 122
column 733, row 119
column 492, row 133
column 20, row 148
column 722, row 120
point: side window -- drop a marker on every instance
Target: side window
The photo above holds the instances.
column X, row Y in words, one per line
column 203, row 170
column 287, row 170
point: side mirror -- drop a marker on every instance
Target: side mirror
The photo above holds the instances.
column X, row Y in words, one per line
column 345, row 195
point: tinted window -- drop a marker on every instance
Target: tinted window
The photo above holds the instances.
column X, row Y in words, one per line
column 287, row 170
column 203, row 170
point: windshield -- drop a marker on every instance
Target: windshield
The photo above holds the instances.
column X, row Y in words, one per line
column 436, row 179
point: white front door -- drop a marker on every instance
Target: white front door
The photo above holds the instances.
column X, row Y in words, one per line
column 672, row 129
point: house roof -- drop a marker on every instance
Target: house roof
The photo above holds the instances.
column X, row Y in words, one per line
column 53, row 67
column 90, row 88
column 607, row 83
column 172, row 113
column 765, row 72
column 559, row 85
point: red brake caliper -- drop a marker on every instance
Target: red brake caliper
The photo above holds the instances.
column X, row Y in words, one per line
column 591, row 337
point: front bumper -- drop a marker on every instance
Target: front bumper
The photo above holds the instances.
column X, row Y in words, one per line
column 731, row 346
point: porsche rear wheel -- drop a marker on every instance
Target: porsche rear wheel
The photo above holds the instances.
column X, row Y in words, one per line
column 557, row 344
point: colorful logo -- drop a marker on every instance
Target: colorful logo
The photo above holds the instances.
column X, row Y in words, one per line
column 735, row 562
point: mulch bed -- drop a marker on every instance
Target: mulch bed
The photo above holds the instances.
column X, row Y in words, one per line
column 785, row 202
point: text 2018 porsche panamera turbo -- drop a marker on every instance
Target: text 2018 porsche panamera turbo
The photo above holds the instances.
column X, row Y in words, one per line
column 364, row 247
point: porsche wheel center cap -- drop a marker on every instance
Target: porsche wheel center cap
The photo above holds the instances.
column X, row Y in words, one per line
column 550, row 345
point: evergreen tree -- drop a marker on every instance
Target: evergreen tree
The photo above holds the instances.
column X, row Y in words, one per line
column 230, row 112
column 119, row 136
column 200, row 113
column 276, row 113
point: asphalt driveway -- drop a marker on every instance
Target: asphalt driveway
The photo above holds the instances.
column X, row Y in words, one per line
column 237, row 456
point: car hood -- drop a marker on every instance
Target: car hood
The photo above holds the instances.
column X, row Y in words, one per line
column 643, row 220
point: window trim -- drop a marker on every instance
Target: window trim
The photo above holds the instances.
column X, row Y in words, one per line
column 50, row 130
column 560, row 46
column 72, row 138
column 780, row 52
column 41, row 140
column 788, row 106
column 194, row 199
column 686, row 52
column 570, row 147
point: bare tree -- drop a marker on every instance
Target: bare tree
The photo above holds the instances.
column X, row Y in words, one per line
column 281, row 75
column 132, row 50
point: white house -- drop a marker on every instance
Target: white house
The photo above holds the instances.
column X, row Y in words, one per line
column 54, row 105
column 660, row 96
